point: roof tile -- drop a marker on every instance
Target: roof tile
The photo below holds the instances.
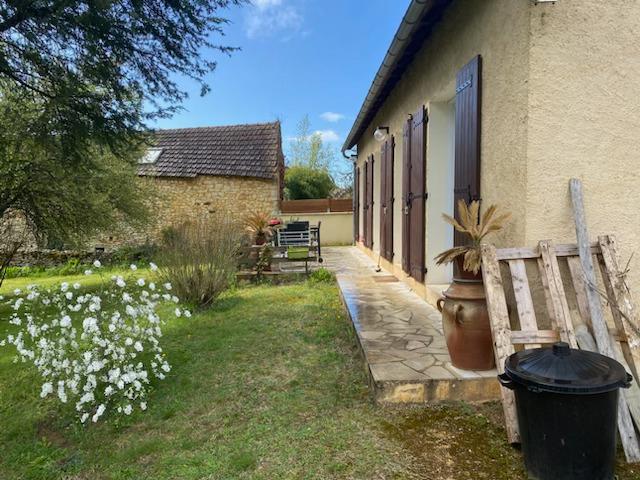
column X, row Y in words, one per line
column 252, row 150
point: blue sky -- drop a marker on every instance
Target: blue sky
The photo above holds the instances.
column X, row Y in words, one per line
column 298, row 57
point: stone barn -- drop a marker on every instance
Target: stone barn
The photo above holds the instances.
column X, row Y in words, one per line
column 195, row 172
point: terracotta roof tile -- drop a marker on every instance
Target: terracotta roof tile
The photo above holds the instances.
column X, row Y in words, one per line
column 252, row 150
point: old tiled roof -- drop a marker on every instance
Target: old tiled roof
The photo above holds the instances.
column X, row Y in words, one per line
column 253, row 150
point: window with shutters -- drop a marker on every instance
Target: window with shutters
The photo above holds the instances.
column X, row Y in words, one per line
column 356, row 203
column 386, row 199
column 414, row 194
column 467, row 136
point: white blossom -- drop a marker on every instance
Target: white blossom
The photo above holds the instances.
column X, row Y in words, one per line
column 88, row 272
column 99, row 412
column 153, row 266
column 47, row 388
column 87, row 347
column 97, row 264
column 133, row 267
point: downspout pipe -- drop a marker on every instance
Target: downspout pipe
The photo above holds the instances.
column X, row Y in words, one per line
column 353, row 155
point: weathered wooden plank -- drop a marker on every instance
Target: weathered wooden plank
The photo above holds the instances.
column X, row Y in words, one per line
column 534, row 337
column 547, row 293
column 522, row 293
column 525, row 253
column 577, row 279
column 581, row 326
column 500, row 331
column 623, row 308
column 617, row 334
column 599, row 326
column 558, row 300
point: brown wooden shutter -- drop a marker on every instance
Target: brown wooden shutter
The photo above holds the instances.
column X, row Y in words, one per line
column 467, row 137
column 356, row 203
column 417, row 196
column 383, row 197
column 370, row 203
column 406, row 191
column 365, row 208
column 386, row 197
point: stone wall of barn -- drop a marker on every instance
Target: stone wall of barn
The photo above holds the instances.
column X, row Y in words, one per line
column 178, row 200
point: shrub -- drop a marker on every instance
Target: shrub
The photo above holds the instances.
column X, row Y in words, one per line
column 127, row 254
column 322, row 275
column 303, row 182
column 200, row 258
column 98, row 349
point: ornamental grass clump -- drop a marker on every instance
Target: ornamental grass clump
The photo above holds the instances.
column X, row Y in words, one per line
column 258, row 226
column 99, row 350
column 200, row 258
column 476, row 228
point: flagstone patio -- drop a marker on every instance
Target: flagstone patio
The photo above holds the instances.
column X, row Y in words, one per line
column 401, row 337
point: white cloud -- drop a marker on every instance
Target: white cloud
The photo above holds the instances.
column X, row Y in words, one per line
column 262, row 4
column 268, row 17
column 332, row 116
column 328, row 135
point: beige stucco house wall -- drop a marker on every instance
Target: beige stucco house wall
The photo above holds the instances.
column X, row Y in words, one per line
column 558, row 101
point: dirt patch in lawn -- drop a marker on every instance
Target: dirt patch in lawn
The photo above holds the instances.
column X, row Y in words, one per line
column 460, row 441
column 456, row 441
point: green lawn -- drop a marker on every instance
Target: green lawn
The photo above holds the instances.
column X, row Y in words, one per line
column 10, row 284
column 267, row 384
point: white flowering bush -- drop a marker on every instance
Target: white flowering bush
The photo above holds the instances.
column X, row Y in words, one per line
column 99, row 349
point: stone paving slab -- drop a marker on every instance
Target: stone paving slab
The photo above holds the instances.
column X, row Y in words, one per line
column 401, row 337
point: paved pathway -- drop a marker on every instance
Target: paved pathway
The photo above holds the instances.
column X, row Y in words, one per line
column 401, row 336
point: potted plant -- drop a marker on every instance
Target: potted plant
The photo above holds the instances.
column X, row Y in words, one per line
column 464, row 309
column 257, row 225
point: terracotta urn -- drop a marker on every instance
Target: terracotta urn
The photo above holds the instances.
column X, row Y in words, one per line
column 465, row 320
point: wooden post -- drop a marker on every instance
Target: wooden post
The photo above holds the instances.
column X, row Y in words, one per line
column 501, row 333
column 598, row 323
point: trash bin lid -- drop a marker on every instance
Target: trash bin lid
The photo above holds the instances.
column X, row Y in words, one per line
column 563, row 369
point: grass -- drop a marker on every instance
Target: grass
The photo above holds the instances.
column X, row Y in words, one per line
column 266, row 384
column 93, row 280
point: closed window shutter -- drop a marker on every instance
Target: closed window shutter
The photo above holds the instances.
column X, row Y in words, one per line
column 386, row 208
column 356, row 203
column 383, row 199
column 417, row 196
column 406, row 191
column 467, row 137
column 370, row 203
column 365, row 209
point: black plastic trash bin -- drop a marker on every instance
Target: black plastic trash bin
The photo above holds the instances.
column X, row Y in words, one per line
column 567, row 402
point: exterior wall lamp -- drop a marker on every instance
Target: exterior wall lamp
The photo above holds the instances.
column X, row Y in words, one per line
column 380, row 133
